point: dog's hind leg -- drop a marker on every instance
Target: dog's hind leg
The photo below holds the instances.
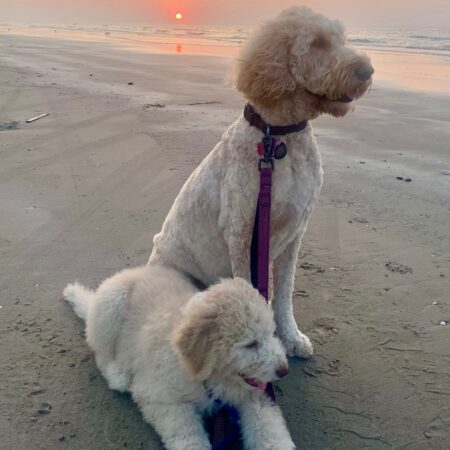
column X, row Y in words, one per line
column 103, row 328
column 294, row 341
column 179, row 425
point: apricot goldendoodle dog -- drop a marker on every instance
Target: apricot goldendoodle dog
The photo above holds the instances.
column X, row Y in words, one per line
column 292, row 69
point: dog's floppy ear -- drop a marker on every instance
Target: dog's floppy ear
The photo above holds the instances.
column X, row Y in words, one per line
column 262, row 69
column 193, row 339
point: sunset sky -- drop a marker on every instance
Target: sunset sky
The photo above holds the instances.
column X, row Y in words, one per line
column 223, row 12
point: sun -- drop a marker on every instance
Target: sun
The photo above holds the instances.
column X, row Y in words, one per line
column 178, row 16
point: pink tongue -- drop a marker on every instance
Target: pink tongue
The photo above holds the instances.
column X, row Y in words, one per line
column 256, row 383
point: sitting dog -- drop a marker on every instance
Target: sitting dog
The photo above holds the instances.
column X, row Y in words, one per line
column 177, row 349
column 293, row 69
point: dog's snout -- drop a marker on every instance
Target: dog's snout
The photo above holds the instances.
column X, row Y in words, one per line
column 282, row 371
column 364, row 71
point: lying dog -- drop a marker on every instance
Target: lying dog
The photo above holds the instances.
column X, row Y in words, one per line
column 176, row 350
column 292, row 69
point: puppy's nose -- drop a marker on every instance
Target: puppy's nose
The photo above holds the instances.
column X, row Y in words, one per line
column 282, row 371
column 364, row 71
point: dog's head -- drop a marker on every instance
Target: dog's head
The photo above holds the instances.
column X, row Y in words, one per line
column 303, row 56
column 228, row 334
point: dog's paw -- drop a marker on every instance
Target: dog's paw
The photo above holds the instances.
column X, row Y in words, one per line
column 297, row 344
column 116, row 378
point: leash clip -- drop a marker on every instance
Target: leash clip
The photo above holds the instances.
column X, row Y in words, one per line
column 266, row 161
column 267, row 157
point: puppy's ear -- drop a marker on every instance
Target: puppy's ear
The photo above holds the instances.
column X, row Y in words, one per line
column 193, row 339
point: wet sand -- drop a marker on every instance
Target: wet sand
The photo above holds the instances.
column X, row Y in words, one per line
column 83, row 190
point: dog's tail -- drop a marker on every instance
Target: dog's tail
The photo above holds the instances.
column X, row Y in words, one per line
column 79, row 297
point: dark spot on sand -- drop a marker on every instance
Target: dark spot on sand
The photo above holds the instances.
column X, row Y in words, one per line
column 398, row 268
column 11, row 125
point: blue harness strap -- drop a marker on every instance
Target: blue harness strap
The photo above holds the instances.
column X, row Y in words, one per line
column 223, row 427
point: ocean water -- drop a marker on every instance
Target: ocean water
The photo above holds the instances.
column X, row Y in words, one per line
column 412, row 58
column 435, row 40
column 422, row 40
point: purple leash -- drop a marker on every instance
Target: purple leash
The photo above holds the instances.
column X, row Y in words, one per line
column 261, row 232
column 264, row 203
column 224, row 431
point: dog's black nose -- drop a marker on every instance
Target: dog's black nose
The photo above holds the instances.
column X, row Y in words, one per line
column 364, row 71
column 282, row 371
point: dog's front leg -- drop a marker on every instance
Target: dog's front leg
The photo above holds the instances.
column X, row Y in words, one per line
column 236, row 219
column 263, row 427
column 179, row 426
column 295, row 342
column 239, row 251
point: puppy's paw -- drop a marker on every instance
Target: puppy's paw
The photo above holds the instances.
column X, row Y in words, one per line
column 116, row 378
column 297, row 344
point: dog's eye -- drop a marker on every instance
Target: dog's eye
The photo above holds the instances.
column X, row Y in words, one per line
column 320, row 41
column 252, row 345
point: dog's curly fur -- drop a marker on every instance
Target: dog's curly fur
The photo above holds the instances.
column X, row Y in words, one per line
column 293, row 68
column 176, row 350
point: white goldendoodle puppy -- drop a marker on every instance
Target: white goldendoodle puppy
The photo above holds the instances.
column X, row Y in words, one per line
column 176, row 350
column 292, row 69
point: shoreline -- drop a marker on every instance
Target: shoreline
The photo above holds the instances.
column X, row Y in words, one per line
column 414, row 70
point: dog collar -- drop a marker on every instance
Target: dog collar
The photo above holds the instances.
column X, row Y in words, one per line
column 255, row 120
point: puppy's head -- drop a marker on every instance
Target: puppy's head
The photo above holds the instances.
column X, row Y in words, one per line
column 228, row 334
column 303, row 55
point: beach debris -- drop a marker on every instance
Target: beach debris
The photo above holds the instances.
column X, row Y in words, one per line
column 11, row 125
column 37, row 390
column 443, row 323
column 153, row 105
column 445, row 172
column 309, row 266
column 212, row 102
column 44, row 409
column 301, row 293
column 360, row 220
column 398, row 268
column 435, row 303
column 130, row 83
column 33, row 119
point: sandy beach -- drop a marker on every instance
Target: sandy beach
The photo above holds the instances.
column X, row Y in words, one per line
column 83, row 191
